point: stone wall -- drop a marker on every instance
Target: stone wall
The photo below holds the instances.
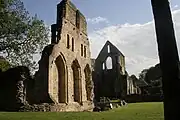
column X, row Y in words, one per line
column 13, row 88
column 47, row 107
column 61, row 78
column 109, row 76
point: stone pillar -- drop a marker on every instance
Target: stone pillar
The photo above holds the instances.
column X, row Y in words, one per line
column 21, row 88
column 21, row 94
column 169, row 58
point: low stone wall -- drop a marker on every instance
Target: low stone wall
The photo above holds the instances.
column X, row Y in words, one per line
column 48, row 107
column 36, row 108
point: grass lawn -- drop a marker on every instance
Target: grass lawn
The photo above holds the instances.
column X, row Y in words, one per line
column 137, row 111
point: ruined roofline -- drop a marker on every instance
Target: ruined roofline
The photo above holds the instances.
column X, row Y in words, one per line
column 115, row 47
column 68, row 2
column 108, row 42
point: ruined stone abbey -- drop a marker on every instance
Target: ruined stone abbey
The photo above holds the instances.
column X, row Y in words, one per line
column 65, row 76
column 68, row 79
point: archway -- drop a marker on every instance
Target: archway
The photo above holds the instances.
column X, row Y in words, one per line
column 61, row 74
column 87, row 72
column 77, row 81
column 109, row 63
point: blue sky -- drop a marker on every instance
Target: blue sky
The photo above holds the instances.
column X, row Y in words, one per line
column 117, row 12
column 128, row 24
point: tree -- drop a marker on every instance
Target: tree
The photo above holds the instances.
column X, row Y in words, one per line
column 4, row 65
column 168, row 56
column 21, row 36
column 142, row 75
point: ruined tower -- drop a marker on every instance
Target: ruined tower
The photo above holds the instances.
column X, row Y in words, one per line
column 64, row 75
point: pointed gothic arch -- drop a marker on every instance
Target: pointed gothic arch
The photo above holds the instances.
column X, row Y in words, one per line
column 109, row 63
column 62, row 79
column 77, row 81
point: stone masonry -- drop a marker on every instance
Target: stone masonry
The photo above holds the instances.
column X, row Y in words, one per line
column 64, row 75
column 109, row 75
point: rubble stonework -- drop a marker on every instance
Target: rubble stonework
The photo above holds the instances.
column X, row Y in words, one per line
column 13, row 88
column 64, row 75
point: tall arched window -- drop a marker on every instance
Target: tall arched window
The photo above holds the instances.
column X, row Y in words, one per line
column 68, row 45
column 103, row 66
column 81, row 49
column 85, row 51
column 78, row 19
column 108, row 49
column 72, row 44
column 109, row 63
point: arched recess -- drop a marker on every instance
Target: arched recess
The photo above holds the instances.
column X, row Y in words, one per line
column 77, row 81
column 108, row 49
column 72, row 44
column 109, row 63
column 87, row 72
column 68, row 43
column 62, row 79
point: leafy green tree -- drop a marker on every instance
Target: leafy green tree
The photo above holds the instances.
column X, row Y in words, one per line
column 21, row 36
column 4, row 65
column 142, row 75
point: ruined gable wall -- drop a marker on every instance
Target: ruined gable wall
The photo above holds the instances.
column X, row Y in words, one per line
column 114, row 77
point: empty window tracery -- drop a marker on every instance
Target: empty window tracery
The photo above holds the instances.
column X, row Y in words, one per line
column 109, row 63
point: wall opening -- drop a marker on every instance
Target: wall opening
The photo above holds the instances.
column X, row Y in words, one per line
column 109, row 63
column 77, row 81
column 61, row 80
column 103, row 66
column 77, row 19
column 85, row 51
column 53, row 33
column 81, row 49
column 87, row 72
column 68, row 44
column 108, row 49
column 72, row 44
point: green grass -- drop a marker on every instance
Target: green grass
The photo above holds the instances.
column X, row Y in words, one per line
column 137, row 111
column 115, row 100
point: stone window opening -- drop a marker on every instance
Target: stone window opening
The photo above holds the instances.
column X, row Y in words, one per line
column 89, row 87
column 109, row 63
column 77, row 81
column 85, row 51
column 68, row 44
column 77, row 19
column 108, row 49
column 103, row 66
column 81, row 49
column 72, row 44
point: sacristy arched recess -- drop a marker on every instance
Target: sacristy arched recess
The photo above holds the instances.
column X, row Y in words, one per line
column 77, row 84
column 62, row 78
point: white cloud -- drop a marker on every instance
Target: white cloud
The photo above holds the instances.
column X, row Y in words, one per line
column 136, row 41
column 176, row 6
column 97, row 20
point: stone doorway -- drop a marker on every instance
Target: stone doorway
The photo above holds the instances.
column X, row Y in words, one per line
column 87, row 72
column 61, row 79
column 77, row 81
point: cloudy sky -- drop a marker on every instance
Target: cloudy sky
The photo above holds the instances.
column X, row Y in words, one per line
column 128, row 24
